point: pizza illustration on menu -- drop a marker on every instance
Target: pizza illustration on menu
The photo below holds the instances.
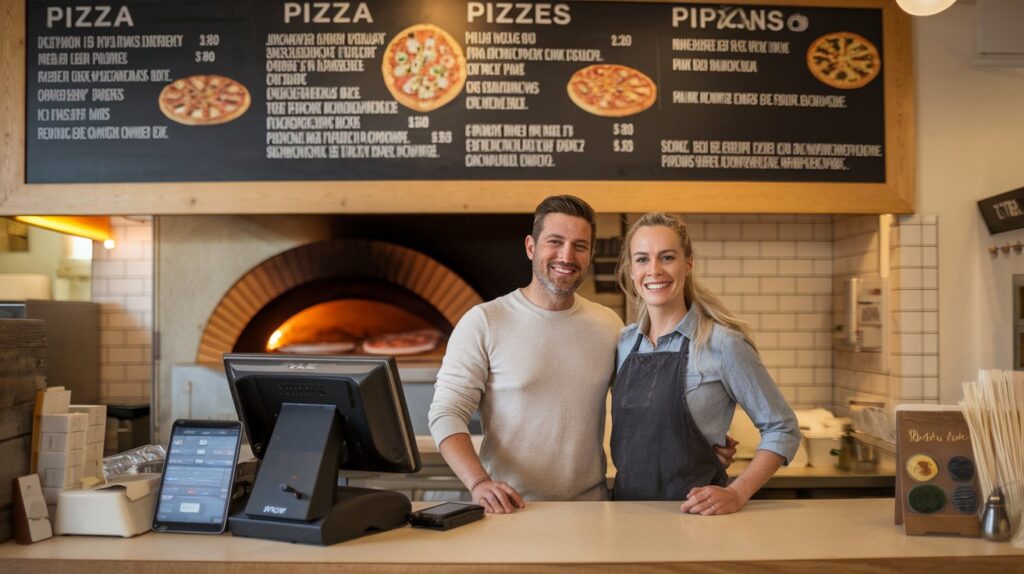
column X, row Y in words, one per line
column 424, row 67
column 204, row 100
column 612, row 90
column 844, row 60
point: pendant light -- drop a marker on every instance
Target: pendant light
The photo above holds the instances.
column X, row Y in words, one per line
column 924, row 7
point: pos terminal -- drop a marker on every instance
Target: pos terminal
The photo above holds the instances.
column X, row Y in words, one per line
column 307, row 417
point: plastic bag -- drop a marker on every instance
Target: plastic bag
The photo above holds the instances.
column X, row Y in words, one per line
column 148, row 458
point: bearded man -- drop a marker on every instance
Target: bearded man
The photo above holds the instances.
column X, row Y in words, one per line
column 537, row 363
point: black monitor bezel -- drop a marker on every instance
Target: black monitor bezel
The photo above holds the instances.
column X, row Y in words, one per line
column 305, row 367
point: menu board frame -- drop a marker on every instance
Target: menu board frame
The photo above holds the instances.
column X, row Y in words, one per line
column 895, row 195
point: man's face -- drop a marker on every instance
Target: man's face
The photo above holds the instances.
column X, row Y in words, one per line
column 561, row 255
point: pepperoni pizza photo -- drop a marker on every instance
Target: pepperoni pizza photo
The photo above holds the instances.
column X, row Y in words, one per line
column 424, row 68
column 612, row 90
column 204, row 100
column 844, row 60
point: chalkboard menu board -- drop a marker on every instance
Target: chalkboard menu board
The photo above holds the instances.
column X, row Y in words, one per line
column 244, row 90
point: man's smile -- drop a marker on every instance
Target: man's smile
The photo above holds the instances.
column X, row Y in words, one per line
column 564, row 268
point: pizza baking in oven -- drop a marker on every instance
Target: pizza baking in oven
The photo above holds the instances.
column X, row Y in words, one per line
column 204, row 100
column 409, row 343
column 424, row 68
column 612, row 90
column 844, row 60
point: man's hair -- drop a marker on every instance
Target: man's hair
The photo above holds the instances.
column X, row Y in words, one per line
column 566, row 205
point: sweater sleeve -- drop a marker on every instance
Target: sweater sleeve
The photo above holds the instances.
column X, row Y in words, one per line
column 462, row 377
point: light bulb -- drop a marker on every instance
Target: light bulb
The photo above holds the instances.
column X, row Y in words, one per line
column 924, row 7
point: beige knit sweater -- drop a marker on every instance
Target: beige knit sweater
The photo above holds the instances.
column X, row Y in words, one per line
column 540, row 379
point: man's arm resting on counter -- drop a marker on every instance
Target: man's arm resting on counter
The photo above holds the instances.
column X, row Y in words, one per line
column 719, row 500
column 494, row 495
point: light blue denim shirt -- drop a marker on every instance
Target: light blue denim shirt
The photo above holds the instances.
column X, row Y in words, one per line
column 730, row 371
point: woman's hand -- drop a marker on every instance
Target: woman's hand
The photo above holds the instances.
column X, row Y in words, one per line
column 708, row 500
column 726, row 453
column 497, row 497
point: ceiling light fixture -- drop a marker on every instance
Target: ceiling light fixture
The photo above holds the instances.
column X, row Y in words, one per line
column 95, row 228
column 924, row 7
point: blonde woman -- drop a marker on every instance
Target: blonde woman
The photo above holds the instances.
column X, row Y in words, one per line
column 681, row 370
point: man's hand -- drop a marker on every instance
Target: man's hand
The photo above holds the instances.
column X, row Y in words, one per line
column 727, row 452
column 708, row 500
column 496, row 496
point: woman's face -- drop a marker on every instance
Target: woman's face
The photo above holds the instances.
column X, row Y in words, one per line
column 658, row 267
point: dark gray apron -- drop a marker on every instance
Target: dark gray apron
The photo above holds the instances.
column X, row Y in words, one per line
column 657, row 448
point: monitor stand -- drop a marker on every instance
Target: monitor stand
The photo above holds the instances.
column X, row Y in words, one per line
column 296, row 498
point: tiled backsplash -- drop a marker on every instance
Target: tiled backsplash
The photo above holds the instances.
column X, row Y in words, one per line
column 910, row 373
column 775, row 272
column 859, row 375
column 122, row 283
column 914, row 364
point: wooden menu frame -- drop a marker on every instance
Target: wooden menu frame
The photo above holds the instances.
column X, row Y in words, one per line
column 896, row 195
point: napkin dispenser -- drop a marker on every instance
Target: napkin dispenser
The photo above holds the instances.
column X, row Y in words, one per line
column 122, row 508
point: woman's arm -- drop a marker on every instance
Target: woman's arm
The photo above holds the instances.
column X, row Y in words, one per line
column 709, row 500
column 747, row 380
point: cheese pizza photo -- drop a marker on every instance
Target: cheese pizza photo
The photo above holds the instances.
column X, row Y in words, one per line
column 844, row 60
column 612, row 90
column 204, row 100
column 424, row 68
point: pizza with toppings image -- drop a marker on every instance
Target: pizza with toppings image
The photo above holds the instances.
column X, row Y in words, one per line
column 612, row 90
column 844, row 60
column 408, row 343
column 424, row 68
column 204, row 100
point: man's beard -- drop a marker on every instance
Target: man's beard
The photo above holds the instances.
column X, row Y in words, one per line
column 556, row 285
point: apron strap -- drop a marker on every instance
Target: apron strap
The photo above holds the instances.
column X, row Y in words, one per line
column 636, row 344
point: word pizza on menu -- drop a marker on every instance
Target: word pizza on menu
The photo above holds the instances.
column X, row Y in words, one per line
column 88, row 17
column 491, row 12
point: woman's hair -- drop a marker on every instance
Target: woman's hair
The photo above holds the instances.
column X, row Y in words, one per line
column 711, row 307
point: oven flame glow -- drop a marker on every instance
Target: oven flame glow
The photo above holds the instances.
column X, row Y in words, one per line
column 275, row 340
column 341, row 326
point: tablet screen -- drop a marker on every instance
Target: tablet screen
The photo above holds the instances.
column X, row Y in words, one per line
column 198, row 475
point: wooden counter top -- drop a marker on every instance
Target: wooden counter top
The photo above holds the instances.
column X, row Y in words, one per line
column 769, row 535
column 787, row 477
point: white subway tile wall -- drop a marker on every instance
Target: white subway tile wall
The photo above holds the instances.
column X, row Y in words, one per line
column 122, row 283
column 859, row 375
column 911, row 374
column 914, row 364
column 775, row 272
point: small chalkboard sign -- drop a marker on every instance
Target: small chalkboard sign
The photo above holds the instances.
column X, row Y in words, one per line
column 937, row 490
column 1003, row 212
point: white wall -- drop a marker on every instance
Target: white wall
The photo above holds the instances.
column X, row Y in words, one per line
column 970, row 134
column 45, row 250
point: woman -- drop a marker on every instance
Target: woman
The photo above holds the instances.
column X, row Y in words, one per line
column 682, row 368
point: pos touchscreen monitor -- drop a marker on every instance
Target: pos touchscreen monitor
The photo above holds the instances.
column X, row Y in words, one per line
column 307, row 417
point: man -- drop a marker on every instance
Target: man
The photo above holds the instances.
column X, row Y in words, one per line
column 537, row 363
